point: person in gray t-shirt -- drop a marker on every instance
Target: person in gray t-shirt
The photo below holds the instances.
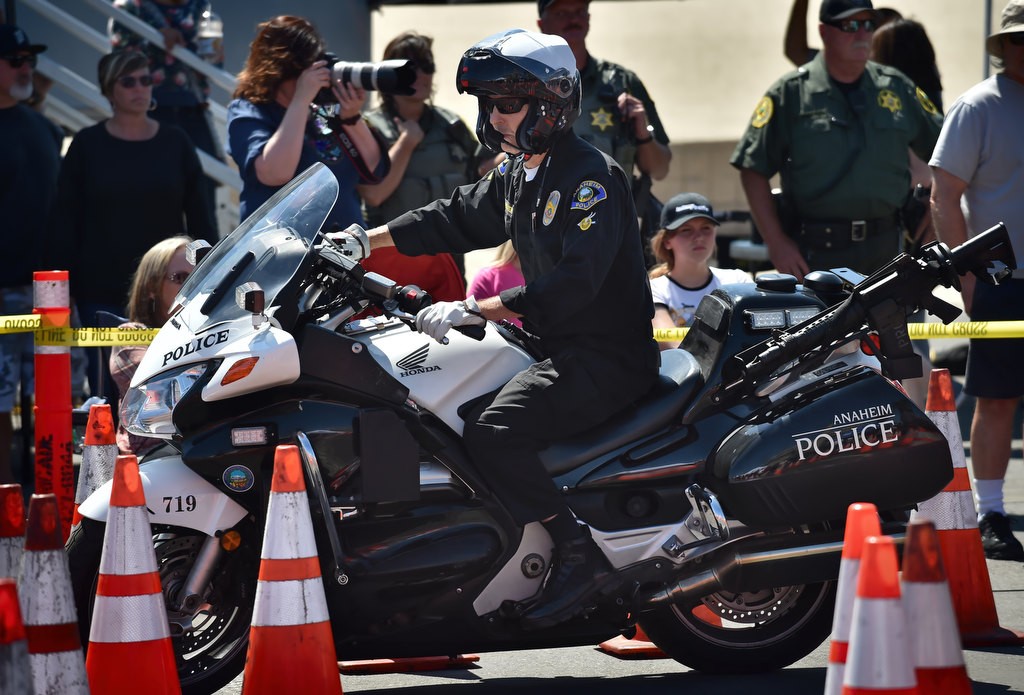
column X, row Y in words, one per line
column 979, row 182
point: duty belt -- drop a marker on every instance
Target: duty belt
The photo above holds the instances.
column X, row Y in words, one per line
column 839, row 234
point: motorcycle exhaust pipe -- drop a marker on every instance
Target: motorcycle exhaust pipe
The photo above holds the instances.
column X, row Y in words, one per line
column 755, row 568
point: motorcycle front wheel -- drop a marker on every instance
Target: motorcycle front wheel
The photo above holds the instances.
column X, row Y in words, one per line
column 210, row 641
column 753, row 632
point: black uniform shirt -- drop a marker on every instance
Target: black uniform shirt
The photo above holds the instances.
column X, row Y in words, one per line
column 574, row 227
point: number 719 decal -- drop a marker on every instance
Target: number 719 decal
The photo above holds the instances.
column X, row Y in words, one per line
column 173, row 505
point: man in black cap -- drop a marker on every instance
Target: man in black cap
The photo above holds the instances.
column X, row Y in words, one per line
column 618, row 116
column 29, row 162
column 838, row 130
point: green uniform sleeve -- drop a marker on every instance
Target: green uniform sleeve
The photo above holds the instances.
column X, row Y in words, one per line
column 764, row 143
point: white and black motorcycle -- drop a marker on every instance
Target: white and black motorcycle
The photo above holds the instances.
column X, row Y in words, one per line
column 725, row 487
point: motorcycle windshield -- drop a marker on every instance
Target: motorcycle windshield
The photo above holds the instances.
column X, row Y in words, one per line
column 266, row 249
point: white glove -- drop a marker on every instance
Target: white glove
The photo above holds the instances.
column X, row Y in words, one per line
column 353, row 235
column 437, row 319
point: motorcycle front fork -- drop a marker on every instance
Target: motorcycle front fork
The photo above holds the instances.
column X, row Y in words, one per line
column 183, row 602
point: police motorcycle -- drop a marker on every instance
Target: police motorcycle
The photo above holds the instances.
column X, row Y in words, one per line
column 719, row 498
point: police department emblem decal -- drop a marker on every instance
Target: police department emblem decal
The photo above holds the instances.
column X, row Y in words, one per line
column 888, row 100
column 551, row 207
column 589, row 194
column 238, row 478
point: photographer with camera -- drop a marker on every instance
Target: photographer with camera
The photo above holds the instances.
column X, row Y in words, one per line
column 275, row 130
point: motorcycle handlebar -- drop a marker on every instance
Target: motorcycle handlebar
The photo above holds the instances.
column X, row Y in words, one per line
column 907, row 282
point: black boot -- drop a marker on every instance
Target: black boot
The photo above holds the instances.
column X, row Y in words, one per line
column 579, row 572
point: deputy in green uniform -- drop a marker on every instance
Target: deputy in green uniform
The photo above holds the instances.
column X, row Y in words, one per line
column 617, row 114
column 838, row 131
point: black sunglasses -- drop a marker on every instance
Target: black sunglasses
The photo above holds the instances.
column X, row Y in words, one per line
column 506, row 105
column 17, row 61
column 852, row 26
column 128, row 81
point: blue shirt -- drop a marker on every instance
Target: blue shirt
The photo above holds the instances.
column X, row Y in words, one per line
column 251, row 125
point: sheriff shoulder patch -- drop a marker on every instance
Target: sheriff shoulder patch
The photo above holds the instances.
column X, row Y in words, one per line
column 925, row 102
column 589, row 194
column 763, row 112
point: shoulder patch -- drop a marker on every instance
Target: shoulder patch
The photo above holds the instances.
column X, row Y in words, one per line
column 887, row 99
column 589, row 194
column 551, row 207
column 763, row 112
column 925, row 102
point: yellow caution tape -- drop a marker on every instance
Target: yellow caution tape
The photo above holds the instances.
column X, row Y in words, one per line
column 960, row 329
column 19, row 324
column 95, row 337
column 100, row 337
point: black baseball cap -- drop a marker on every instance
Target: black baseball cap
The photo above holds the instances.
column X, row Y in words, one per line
column 834, row 10
column 684, row 207
column 14, row 41
column 545, row 4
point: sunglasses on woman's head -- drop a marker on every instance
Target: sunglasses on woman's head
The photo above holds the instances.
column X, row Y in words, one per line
column 128, row 81
column 506, row 105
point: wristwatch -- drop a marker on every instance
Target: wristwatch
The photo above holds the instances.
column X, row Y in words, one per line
column 649, row 138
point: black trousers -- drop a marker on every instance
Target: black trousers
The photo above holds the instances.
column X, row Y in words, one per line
column 553, row 399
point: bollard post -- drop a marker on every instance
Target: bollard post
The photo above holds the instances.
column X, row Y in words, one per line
column 53, row 470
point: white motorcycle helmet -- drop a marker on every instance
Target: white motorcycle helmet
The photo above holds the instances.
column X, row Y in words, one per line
column 537, row 67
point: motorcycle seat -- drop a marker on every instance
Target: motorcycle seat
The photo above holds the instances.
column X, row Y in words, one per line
column 679, row 378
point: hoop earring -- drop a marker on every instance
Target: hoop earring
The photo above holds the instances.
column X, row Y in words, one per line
column 152, row 104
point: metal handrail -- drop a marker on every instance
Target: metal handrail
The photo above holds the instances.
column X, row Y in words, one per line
column 219, row 77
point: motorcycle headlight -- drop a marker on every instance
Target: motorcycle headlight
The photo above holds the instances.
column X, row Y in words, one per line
column 146, row 409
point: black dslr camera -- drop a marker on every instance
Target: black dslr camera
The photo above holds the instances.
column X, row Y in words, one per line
column 388, row 77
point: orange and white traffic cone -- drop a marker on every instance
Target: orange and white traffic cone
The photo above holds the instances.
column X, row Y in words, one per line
column 98, row 456
column 935, row 643
column 129, row 620
column 15, row 666
column 956, row 520
column 639, row 646
column 861, row 522
column 12, row 529
column 879, row 657
column 291, row 648
column 48, row 604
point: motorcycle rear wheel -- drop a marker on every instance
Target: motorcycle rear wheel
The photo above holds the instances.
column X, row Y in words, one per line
column 759, row 631
column 213, row 653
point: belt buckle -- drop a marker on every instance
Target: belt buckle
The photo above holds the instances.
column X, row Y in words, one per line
column 858, row 230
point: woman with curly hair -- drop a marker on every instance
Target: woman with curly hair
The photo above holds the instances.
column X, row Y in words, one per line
column 275, row 131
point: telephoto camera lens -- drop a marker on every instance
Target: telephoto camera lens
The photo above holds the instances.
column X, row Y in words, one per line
column 388, row 76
